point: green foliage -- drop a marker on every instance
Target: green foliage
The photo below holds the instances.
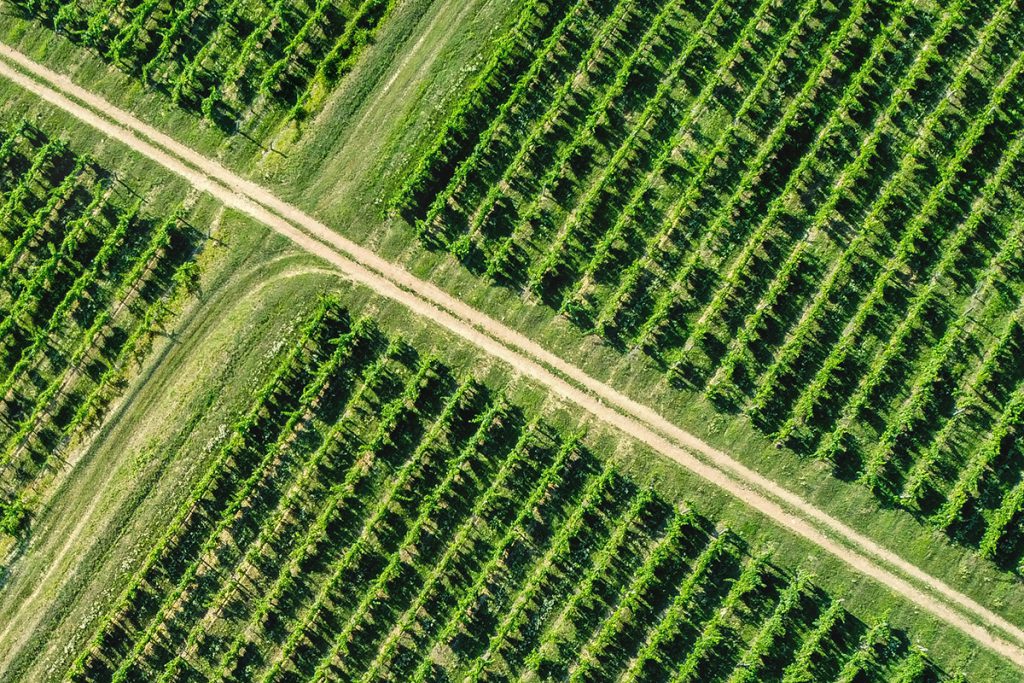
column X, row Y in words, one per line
column 212, row 55
column 13, row 516
column 750, row 204
column 83, row 284
column 369, row 511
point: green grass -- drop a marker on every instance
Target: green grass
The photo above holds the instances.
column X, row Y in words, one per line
column 361, row 145
column 301, row 487
column 90, row 276
column 734, row 255
column 126, row 476
column 252, row 282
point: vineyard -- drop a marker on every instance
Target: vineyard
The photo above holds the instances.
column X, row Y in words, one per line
column 84, row 278
column 805, row 210
column 545, row 340
column 227, row 60
column 372, row 516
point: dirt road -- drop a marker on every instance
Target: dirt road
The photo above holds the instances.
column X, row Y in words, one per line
column 610, row 406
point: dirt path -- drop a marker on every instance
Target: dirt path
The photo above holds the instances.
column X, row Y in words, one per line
column 610, row 406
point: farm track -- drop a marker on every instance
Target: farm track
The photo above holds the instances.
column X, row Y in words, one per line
column 527, row 357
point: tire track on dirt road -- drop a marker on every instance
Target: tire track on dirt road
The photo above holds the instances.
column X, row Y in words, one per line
column 526, row 356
